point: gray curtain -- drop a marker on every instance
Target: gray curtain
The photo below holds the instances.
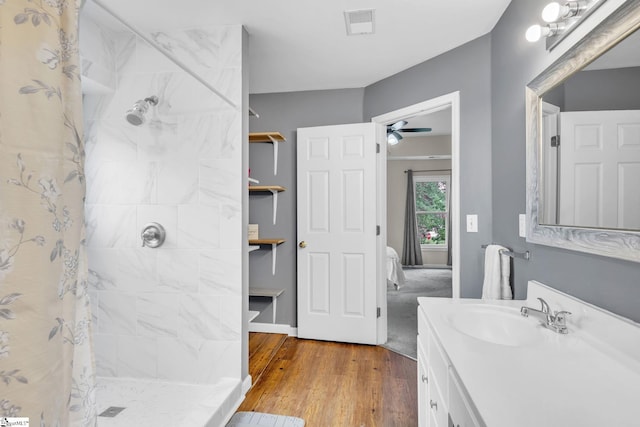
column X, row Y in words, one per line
column 411, row 253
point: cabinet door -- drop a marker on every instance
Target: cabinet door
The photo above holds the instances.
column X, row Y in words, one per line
column 461, row 412
column 423, row 391
column 437, row 405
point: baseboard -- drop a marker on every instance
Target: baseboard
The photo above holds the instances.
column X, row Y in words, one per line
column 246, row 384
column 427, row 266
column 271, row 328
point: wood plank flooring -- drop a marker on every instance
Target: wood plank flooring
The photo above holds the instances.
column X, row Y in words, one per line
column 331, row 384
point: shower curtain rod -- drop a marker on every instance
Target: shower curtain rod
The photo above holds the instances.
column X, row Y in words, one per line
column 428, row 170
column 167, row 54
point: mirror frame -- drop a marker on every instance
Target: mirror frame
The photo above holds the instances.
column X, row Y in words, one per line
column 620, row 244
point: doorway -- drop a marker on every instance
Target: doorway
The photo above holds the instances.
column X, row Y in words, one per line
column 429, row 147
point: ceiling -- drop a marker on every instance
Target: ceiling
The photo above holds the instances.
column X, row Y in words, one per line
column 297, row 45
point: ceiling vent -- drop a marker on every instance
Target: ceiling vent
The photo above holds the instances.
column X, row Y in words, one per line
column 359, row 21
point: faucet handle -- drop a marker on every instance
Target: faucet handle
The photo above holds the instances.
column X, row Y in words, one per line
column 560, row 317
column 545, row 306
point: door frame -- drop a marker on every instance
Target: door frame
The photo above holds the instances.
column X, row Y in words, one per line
column 451, row 100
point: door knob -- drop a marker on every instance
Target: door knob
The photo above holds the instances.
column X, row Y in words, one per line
column 302, row 244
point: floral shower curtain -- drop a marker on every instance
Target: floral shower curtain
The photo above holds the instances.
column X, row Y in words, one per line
column 46, row 365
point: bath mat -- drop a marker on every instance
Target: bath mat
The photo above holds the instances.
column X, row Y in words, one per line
column 249, row 419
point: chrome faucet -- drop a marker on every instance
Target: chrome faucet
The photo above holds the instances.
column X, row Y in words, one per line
column 556, row 322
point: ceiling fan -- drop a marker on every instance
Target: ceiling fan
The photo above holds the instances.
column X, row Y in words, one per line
column 393, row 131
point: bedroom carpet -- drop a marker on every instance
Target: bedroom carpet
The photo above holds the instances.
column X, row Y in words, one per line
column 402, row 306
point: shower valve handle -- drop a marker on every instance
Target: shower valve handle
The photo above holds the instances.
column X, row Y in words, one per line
column 153, row 235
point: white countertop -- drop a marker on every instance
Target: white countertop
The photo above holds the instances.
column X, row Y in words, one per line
column 577, row 379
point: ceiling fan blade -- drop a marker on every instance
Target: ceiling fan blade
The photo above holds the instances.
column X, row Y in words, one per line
column 396, row 126
column 416, row 130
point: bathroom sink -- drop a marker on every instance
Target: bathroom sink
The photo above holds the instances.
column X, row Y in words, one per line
column 494, row 324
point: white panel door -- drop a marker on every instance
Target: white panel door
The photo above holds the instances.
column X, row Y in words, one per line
column 550, row 119
column 600, row 163
column 337, row 233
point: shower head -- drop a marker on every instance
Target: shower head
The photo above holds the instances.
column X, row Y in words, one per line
column 135, row 115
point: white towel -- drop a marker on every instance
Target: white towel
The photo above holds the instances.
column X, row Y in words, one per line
column 497, row 269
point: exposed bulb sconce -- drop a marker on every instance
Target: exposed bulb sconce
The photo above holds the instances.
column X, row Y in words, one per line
column 555, row 11
column 561, row 18
column 536, row 32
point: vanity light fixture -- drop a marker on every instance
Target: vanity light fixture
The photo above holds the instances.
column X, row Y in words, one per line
column 561, row 18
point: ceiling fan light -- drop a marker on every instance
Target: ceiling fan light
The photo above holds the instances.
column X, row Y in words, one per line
column 393, row 138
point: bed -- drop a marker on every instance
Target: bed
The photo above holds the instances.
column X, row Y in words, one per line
column 395, row 275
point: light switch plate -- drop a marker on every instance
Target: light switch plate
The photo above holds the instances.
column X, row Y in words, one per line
column 522, row 225
column 472, row 223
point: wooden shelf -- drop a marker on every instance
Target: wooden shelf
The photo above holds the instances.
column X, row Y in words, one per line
column 265, row 188
column 274, row 249
column 274, row 190
column 269, row 293
column 266, row 137
column 266, row 241
column 270, row 137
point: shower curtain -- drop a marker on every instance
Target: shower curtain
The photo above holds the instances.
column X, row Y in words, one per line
column 46, row 365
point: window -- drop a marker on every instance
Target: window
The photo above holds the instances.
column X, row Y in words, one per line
column 432, row 210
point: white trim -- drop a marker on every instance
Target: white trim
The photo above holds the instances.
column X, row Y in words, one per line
column 435, row 178
column 431, row 106
column 432, row 157
column 270, row 328
column 246, row 384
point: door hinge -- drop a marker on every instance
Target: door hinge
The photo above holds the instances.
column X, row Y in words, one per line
column 378, row 312
column 377, row 148
column 555, row 141
column 377, row 230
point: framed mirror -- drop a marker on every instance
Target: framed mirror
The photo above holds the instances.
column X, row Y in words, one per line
column 583, row 143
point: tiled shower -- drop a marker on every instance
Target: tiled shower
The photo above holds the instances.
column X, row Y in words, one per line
column 173, row 313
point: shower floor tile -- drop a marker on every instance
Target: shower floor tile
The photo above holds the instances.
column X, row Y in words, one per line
column 156, row 403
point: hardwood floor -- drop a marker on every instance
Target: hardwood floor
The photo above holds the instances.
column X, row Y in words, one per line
column 331, row 384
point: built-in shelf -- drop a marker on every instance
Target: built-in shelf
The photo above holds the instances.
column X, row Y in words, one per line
column 274, row 190
column 274, row 249
column 263, row 188
column 265, row 137
column 269, row 137
column 269, row 293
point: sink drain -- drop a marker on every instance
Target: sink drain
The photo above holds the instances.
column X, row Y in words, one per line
column 111, row 411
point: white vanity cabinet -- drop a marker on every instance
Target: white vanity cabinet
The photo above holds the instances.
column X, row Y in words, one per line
column 487, row 365
column 442, row 401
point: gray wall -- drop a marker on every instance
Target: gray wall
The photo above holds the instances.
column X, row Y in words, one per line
column 611, row 284
column 490, row 73
column 614, row 89
column 466, row 69
column 284, row 113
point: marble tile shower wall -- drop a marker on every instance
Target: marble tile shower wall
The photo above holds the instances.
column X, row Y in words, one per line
column 172, row 313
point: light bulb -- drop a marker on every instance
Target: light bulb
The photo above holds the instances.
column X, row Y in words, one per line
column 393, row 138
column 533, row 33
column 553, row 11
